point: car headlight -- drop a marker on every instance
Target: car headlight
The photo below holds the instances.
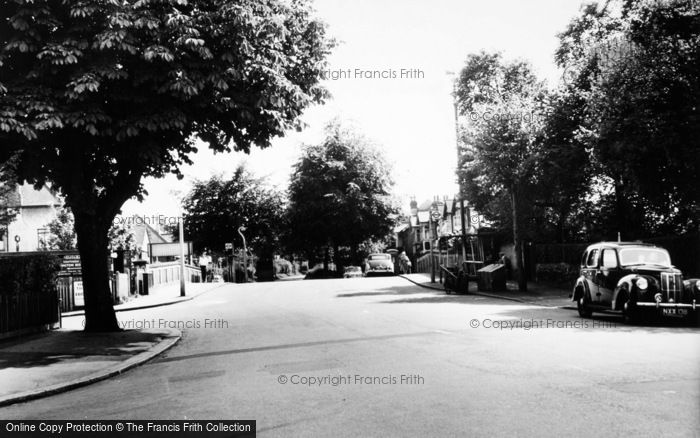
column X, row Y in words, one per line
column 697, row 285
column 642, row 283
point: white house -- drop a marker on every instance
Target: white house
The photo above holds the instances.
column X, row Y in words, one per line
column 35, row 209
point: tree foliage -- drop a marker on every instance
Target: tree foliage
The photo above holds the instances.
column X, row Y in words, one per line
column 217, row 207
column 61, row 232
column 62, row 235
column 96, row 94
column 499, row 164
column 339, row 195
column 634, row 65
column 615, row 146
column 8, row 185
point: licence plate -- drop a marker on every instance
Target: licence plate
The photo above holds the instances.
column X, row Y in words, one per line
column 675, row 312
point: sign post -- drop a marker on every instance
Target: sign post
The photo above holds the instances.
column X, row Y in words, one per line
column 78, row 294
column 232, row 265
column 181, row 235
column 434, row 217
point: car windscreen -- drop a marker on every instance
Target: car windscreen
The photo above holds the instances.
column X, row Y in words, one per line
column 644, row 256
column 380, row 257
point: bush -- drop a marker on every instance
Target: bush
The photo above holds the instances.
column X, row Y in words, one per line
column 28, row 296
column 556, row 273
column 33, row 273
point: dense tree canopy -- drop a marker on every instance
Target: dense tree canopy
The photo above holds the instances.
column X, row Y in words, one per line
column 499, row 163
column 339, row 195
column 634, row 66
column 217, row 207
column 614, row 148
column 96, row 94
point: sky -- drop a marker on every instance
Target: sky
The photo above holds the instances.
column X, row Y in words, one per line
column 410, row 119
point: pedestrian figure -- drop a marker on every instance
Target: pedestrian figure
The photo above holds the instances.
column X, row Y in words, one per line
column 204, row 261
column 404, row 263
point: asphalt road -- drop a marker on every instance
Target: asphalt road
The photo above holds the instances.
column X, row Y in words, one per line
column 382, row 357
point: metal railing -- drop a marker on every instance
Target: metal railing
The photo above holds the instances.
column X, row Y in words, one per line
column 169, row 272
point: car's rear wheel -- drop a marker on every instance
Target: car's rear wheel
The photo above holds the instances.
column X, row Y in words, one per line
column 582, row 305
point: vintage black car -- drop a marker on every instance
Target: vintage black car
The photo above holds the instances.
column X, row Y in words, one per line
column 635, row 279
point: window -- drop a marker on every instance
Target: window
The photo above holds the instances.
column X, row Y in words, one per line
column 379, row 257
column 592, row 258
column 609, row 258
column 584, row 258
column 645, row 256
column 42, row 238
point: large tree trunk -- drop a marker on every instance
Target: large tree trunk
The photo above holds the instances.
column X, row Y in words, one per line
column 336, row 259
column 621, row 212
column 94, row 256
column 518, row 243
column 354, row 255
column 326, row 258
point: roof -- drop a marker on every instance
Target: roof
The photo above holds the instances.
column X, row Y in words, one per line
column 400, row 228
column 141, row 229
column 25, row 195
column 425, row 205
column 622, row 244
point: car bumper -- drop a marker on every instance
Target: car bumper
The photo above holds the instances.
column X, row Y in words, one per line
column 692, row 305
column 672, row 310
column 380, row 271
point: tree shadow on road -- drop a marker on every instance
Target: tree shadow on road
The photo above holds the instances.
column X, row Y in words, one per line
column 54, row 347
column 412, row 294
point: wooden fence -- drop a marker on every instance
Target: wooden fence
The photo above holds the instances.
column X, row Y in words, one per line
column 19, row 311
column 65, row 286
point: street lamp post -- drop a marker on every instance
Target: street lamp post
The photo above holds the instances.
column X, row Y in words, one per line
column 465, row 225
column 245, row 254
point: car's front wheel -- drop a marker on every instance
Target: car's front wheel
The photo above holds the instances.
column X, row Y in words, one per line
column 630, row 315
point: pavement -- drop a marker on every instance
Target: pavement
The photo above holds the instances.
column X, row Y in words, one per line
column 537, row 294
column 43, row 364
column 160, row 296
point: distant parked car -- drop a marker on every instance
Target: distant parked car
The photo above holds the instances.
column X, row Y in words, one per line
column 634, row 279
column 318, row 272
column 379, row 264
column 352, row 272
